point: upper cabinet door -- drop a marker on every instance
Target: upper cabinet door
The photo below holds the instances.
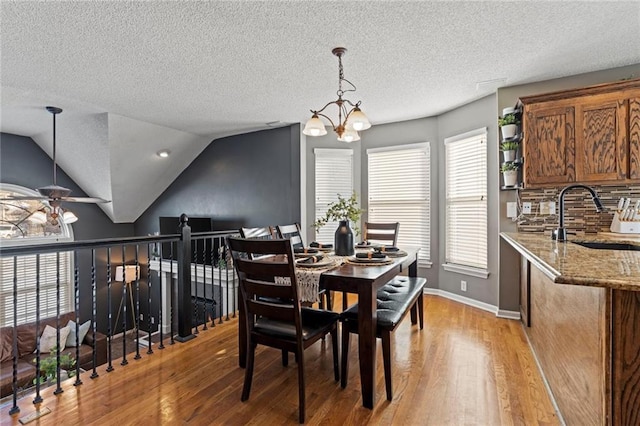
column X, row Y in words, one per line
column 549, row 144
column 634, row 138
column 602, row 146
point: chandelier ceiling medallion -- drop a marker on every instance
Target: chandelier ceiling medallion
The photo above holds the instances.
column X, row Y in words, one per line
column 351, row 119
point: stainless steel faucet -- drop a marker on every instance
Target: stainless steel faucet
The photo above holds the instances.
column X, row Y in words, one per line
column 560, row 234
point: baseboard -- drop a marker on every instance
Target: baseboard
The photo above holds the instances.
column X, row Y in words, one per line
column 500, row 313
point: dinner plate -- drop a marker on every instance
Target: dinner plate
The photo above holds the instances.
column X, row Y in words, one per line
column 323, row 262
column 316, row 253
column 367, row 260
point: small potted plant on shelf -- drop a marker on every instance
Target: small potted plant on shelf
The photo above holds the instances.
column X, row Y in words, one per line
column 508, row 125
column 510, row 173
column 345, row 210
column 509, row 149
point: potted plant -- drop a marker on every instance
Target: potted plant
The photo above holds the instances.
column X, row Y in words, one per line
column 510, row 173
column 48, row 368
column 345, row 210
column 508, row 125
column 509, row 149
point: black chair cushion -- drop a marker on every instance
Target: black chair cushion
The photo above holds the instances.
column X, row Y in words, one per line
column 393, row 300
column 313, row 321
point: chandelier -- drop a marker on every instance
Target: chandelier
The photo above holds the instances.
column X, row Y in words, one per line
column 351, row 119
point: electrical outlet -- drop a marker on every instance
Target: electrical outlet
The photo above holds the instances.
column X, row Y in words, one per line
column 153, row 320
column 512, row 210
column 463, row 285
column 141, row 317
column 552, row 207
column 526, row 208
column 544, row 207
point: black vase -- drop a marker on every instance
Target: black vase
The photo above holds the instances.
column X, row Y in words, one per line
column 344, row 239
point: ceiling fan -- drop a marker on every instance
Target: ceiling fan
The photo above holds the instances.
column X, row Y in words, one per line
column 55, row 194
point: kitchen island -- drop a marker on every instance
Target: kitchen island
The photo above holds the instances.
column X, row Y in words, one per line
column 581, row 311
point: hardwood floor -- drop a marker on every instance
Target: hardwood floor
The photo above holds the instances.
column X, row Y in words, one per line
column 466, row 367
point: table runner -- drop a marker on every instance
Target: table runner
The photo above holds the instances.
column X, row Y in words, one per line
column 309, row 279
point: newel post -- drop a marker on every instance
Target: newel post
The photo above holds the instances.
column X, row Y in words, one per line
column 185, row 309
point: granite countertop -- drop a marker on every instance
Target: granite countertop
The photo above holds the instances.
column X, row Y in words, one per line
column 569, row 263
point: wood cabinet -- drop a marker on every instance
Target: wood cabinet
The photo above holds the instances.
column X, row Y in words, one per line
column 589, row 135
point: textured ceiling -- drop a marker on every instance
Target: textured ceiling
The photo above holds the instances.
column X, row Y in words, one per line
column 127, row 72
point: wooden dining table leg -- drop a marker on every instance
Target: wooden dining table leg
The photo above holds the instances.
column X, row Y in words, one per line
column 367, row 321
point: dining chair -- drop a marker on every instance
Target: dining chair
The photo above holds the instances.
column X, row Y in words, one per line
column 263, row 232
column 393, row 301
column 292, row 232
column 285, row 326
column 382, row 233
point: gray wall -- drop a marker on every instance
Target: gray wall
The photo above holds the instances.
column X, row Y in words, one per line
column 252, row 179
column 481, row 113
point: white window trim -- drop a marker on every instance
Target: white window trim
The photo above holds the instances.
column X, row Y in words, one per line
column 466, row 270
column 422, row 263
column 452, row 267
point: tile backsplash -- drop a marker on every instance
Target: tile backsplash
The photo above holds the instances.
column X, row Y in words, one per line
column 580, row 215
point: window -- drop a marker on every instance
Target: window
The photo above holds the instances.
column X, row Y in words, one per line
column 399, row 191
column 334, row 176
column 466, row 203
column 17, row 229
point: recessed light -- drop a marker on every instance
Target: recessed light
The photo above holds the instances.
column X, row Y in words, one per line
column 164, row 153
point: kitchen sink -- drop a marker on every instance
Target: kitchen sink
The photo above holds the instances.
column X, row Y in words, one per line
column 607, row 246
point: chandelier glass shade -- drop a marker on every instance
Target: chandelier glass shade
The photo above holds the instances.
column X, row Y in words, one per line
column 351, row 119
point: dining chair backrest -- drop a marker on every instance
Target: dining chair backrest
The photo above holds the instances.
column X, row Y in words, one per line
column 383, row 233
column 291, row 232
column 258, row 263
column 264, row 233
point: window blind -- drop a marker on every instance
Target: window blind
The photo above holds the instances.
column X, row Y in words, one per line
column 333, row 176
column 466, row 200
column 26, row 273
column 399, row 191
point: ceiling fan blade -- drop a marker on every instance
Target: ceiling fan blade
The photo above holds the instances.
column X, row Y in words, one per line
column 84, row 200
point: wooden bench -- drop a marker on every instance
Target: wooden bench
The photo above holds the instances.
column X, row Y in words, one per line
column 394, row 300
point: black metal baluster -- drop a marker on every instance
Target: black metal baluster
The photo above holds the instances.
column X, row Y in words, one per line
column 213, row 290
column 76, row 284
column 136, row 316
column 94, row 358
column 160, row 312
column 38, row 398
column 227, row 300
column 195, row 284
column 204, row 283
column 171, row 293
column 109, row 308
column 149, row 292
column 221, row 295
column 234, row 291
column 58, row 388
column 15, row 409
column 124, row 304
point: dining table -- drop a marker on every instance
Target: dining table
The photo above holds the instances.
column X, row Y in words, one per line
column 364, row 280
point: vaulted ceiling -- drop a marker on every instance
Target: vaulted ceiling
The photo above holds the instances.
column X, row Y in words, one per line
column 137, row 77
